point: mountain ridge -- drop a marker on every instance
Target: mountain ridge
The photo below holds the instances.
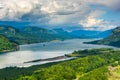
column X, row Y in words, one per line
column 112, row 40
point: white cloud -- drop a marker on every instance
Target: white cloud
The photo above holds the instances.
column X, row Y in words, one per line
column 55, row 12
column 14, row 9
column 92, row 21
column 105, row 3
column 96, row 24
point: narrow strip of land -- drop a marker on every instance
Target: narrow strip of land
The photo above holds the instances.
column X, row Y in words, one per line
column 48, row 59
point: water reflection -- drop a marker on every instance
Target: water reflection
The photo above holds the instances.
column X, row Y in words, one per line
column 38, row 51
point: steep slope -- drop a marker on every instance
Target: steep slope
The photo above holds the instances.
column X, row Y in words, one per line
column 11, row 33
column 90, row 33
column 6, row 45
column 8, row 30
column 36, row 35
column 46, row 34
column 31, row 34
column 113, row 39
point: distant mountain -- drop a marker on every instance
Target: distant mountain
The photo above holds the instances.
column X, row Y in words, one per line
column 30, row 34
column 113, row 39
column 61, row 32
column 6, row 45
column 50, row 34
column 91, row 34
column 8, row 30
column 13, row 34
column 104, row 34
column 15, row 23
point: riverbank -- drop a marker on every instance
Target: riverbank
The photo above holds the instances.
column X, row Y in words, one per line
column 94, row 60
column 48, row 59
column 16, row 48
column 39, row 51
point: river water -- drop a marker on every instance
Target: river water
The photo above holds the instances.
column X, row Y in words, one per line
column 44, row 50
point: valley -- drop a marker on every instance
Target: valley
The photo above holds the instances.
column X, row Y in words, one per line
column 59, row 39
column 41, row 61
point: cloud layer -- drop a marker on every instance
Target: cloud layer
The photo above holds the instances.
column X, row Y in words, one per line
column 86, row 13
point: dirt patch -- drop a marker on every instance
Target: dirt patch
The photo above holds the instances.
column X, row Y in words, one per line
column 112, row 74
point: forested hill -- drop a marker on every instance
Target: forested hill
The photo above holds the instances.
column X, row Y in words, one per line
column 94, row 64
column 6, row 45
column 30, row 34
column 113, row 39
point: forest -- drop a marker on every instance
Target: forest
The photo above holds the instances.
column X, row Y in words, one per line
column 6, row 45
column 112, row 40
column 59, row 39
column 93, row 65
column 32, row 34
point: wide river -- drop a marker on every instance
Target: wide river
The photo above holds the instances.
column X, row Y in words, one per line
column 44, row 50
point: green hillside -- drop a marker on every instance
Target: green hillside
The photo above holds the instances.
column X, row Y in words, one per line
column 30, row 34
column 92, row 67
column 112, row 40
column 94, row 64
column 6, row 45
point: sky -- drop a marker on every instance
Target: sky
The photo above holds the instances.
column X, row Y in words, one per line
column 69, row 14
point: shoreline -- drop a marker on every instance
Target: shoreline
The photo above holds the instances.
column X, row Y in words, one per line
column 48, row 59
column 17, row 48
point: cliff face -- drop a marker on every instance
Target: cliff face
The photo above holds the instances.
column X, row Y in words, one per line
column 112, row 40
column 6, row 45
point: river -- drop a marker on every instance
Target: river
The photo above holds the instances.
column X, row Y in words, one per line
column 44, row 50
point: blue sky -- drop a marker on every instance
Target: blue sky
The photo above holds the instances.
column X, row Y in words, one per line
column 71, row 14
